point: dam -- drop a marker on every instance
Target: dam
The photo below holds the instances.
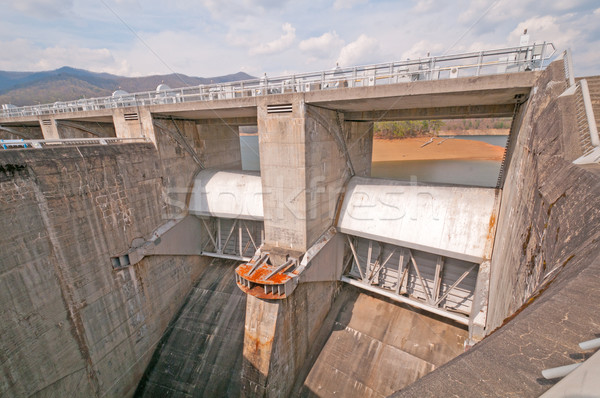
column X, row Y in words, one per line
column 140, row 259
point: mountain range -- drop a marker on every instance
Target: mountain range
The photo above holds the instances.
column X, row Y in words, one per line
column 66, row 84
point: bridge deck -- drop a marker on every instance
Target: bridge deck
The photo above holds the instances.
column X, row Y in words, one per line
column 503, row 76
column 483, row 96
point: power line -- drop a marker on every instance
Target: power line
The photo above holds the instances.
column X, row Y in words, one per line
column 471, row 27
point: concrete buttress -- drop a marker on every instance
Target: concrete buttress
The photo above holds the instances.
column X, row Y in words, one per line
column 307, row 156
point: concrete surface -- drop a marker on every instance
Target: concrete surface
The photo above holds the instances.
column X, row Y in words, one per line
column 304, row 167
column 20, row 132
column 457, row 222
column 227, row 194
column 278, row 336
column 200, row 354
column 71, row 325
column 462, row 92
column 217, row 146
column 594, row 89
column 139, row 126
column 83, row 129
column 370, row 347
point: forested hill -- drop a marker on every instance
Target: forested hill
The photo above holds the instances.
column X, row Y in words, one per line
column 65, row 84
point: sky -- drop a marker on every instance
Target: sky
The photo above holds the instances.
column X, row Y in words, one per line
column 208, row 38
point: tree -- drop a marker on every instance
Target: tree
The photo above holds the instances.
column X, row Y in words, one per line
column 404, row 129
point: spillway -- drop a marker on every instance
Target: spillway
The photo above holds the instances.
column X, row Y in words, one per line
column 371, row 347
column 200, row 353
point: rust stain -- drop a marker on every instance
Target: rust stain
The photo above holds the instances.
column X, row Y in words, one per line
column 491, row 226
column 531, row 299
column 259, row 276
column 258, row 280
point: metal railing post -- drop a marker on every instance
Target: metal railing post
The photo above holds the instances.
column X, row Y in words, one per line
column 542, row 56
column 569, row 66
column 479, row 62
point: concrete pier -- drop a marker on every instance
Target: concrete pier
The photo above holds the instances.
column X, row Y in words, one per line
column 305, row 163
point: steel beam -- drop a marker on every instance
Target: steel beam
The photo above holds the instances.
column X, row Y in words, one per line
column 402, row 299
column 437, row 284
column 226, row 256
column 425, row 288
column 459, row 280
column 355, row 257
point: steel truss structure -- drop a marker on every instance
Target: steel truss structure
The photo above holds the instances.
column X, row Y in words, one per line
column 234, row 239
column 442, row 285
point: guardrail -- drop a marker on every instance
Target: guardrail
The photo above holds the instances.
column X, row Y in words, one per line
column 586, row 122
column 37, row 144
column 505, row 60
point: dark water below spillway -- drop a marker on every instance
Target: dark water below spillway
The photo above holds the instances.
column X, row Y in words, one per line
column 454, row 171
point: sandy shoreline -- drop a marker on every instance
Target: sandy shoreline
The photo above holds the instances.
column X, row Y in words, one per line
column 440, row 148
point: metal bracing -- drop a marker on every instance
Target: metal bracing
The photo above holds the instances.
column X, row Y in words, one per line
column 411, row 276
column 78, row 127
column 357, row 261
column 231, row 238
column 178, row 136
column 23, row 135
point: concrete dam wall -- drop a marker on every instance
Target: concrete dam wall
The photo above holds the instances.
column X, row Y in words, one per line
column 71, row 324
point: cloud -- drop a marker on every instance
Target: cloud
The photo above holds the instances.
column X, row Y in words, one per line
column 238, row 8
column 276, row 45
column 545, row 28
column 474, row 10
column 421, row 48
column 424, row 6
column 363, row 50
column 341, row 4
column 42, row 8
column 171, row 53
column 322, row 46
column 32, row 57
column 227, row 36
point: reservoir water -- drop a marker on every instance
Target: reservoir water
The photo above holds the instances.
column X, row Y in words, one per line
column 482, row 173
column 249, row 148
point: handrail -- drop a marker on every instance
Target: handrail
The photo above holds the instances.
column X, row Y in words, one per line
column 497, row 61
column 30, row 144
column 589, row 111
column 588, row 130
column 568, row 61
